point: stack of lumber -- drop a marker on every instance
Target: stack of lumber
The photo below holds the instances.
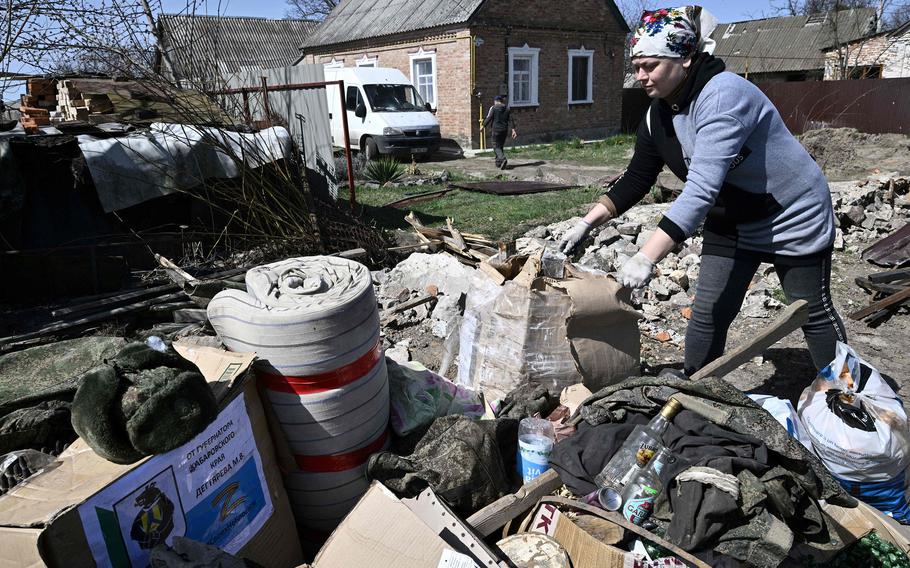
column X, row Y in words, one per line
column 468, row 248
column 77, row 98
column 37, row 104
column 106, row 100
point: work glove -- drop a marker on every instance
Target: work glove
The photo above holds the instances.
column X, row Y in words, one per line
column 574, row 236
column 636, row 271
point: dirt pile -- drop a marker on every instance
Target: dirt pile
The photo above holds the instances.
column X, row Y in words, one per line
column 846, row 153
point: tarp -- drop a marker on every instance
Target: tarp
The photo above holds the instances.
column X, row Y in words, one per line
column 168, row 158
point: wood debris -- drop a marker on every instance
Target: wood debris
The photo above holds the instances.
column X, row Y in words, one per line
column 890, row 290
column 468, row 248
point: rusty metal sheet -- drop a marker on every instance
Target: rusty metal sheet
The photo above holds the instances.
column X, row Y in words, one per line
column 511, row 187
column 893, row 250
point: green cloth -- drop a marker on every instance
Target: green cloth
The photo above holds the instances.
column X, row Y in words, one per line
column 141, row 403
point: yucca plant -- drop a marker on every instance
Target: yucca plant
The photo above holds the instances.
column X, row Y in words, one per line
column 384, row 170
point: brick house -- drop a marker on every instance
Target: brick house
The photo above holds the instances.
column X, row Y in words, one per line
column 561, row 66
column 885, row 55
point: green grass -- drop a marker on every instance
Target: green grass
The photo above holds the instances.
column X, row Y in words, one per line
column 610, row 152
column 499, row 217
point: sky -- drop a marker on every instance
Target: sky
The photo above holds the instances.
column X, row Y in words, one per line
column 725, row 10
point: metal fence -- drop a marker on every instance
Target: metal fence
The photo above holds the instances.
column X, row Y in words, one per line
column 874, row 106
column 869, row 105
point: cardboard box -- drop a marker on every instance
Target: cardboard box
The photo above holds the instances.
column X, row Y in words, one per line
column 385, row 532
column 222, row 487
column 584, row 550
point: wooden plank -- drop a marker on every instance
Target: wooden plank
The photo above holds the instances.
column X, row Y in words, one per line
column 417, row 246
column 791, row 319
column 869, row 286
column 100, row 316
column 892, row 300
column 618, row 519
column 456, row 236
column 413, row 221
column 489, row 519
column 890, row 276
column 112, row 301
column 490, row 271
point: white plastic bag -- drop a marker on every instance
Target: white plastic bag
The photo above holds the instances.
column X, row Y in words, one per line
column 783, row 411
column 859, row 429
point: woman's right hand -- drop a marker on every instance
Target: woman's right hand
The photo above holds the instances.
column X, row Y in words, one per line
column 574, row 237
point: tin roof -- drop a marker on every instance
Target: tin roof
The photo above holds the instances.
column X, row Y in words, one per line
column 360, row 19
column 354, row 20
column 792, row 43
column 194, row 46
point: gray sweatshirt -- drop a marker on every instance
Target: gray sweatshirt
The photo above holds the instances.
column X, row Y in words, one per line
column 731, row 134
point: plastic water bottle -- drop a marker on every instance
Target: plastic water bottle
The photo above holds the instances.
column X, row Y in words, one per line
column 637, row 450
column 536, row 438
column 642, row 491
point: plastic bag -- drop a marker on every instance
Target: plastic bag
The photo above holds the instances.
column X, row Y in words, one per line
column 419, row 396
column 859, row 429
column 783, row 411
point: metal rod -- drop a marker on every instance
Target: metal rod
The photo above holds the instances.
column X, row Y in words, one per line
column 246, row 108
column 347, row 144
column 265, row 101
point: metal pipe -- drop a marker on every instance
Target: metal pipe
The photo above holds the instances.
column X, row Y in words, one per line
column 347, row 143
column 298, row 87
column 246, row 108
column 265, row 101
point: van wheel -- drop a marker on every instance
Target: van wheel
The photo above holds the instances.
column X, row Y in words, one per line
column 372, row 150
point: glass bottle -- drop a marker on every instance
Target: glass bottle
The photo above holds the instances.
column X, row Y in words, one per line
column 641, row 492
column 638, row 449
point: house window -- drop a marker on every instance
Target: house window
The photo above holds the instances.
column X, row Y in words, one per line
column 523, row 66
column 581, row 76
column 423, row 74
column 368, row 62
column 334, row 64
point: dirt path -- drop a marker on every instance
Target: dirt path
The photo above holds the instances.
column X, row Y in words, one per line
column 525, row 169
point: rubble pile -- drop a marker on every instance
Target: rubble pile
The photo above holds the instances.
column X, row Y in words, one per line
column 867, row 210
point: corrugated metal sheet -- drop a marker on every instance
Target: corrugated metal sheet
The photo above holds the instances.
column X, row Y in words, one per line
column 794, row 43
column 359, row 19
column 859, row 104
column 207, row 46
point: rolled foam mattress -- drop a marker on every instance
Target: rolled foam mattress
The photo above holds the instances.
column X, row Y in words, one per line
column 314, row 324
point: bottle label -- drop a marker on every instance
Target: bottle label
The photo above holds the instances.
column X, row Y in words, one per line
column 640, row 506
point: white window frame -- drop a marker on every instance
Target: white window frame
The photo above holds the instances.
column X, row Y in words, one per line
column 534, row 54
column 589, row 53
column 421, row 55
column 334, row 64
column 367, row 61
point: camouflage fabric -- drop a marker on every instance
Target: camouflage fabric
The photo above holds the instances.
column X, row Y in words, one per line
column 774, row 511
column 465, row 462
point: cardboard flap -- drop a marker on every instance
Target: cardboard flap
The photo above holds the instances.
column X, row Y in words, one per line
column 79, row 474
column 602, row 328
column 222, row 369
column 381, row 532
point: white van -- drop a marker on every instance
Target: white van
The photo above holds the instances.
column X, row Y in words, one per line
column 386, row 114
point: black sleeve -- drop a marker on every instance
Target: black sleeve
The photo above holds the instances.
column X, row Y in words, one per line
column 641, row 174
column 511, row 119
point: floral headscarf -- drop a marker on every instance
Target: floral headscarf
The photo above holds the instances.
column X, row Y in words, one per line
column 674, row 32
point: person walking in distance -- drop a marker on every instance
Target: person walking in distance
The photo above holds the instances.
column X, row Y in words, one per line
column 501, row 121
